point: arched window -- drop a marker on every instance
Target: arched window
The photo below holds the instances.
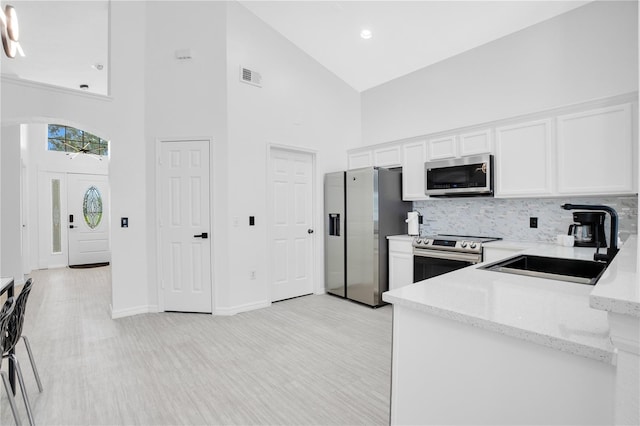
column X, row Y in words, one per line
column 72, row 140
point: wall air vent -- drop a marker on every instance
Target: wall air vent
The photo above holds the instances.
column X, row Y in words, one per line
column 250, row 77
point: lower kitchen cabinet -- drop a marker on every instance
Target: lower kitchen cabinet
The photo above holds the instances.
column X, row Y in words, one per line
column 400, row 261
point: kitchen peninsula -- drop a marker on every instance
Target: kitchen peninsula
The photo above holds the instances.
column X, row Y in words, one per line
column 482, row 347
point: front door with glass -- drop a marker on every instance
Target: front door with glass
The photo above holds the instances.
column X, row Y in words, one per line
column 87, row 207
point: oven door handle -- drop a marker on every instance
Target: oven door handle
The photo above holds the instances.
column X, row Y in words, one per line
column 465, row 257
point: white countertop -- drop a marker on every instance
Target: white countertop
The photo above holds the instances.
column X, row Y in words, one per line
column 566, row 316
column 401, row 237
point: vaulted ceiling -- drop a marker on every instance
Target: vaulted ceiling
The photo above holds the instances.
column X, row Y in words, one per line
column 66, row 43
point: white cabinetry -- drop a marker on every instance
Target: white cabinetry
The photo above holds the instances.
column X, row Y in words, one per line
column 460, row 145
column 414, row 155
column 387, row 157
column 595, row 151
column 523, row 159
column 443, row 148
column 400, row 262
column 360, row 159
column 478, row 142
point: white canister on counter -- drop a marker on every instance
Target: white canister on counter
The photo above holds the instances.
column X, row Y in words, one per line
column 413, row 226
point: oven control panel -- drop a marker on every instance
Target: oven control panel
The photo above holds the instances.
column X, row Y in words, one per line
column 434, row 243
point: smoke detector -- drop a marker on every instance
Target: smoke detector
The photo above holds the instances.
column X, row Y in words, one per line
column 250, row 77
column 183, row 54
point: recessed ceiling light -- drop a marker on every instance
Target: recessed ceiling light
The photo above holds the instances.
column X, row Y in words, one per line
column 365, row 34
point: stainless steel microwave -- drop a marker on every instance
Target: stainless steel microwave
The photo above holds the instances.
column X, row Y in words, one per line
column 465, row 176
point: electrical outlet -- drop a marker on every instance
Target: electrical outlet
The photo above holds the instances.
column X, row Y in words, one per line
column 252, row 275
column 533, row 222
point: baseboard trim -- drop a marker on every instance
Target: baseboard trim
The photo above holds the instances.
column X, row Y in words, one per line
column 136, row 310
column 241, row 308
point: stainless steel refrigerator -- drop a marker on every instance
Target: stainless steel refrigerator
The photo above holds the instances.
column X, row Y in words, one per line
column 362, row 207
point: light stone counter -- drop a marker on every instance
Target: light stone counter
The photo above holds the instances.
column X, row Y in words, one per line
column 551, row 313
column 405, row 237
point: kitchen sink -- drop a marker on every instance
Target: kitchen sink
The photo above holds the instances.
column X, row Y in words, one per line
column 554, row 268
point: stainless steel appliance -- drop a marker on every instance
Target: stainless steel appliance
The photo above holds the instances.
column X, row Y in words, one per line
column 465, row 176
column 589, row 229
column 437, row 255
column 362, row 208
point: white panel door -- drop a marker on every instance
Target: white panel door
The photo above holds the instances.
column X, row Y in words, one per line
column 291, row 244
column 88, row 218
column 184, row 226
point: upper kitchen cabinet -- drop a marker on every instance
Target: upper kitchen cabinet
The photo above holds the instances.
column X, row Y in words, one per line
column 523, row 159
column 478, row 142
column 442, row 148
column 596, row 152
column 386, row 156
column 414, row 155
column 360, row 159
column 460, row 145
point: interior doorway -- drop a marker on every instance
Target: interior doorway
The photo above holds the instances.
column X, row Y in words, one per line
column 291, row 242
column 184, row 226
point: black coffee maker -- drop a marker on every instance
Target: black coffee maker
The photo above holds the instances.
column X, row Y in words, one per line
column 588, row 231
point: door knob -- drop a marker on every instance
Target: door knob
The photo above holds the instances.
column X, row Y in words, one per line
column 71, row 226
column 309, row 231
column 204, row 236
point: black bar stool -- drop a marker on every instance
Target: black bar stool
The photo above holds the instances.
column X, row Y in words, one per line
column 14, row 333
column 5, row 317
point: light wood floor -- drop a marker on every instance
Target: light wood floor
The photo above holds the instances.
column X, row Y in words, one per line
column 311, row 360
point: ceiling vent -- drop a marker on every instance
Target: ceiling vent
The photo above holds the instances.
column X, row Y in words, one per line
column 250, row 77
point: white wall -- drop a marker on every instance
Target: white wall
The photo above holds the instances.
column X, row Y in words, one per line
column 153, row 97
column 187, row 99
column 588, row 53
column 300, row 104
column 10, row 230
column 120, row 119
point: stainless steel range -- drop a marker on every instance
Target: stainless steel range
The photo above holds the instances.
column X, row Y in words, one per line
column 439, row 254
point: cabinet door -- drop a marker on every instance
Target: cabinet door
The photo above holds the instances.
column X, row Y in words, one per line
column 478, row 142
column 595, row 151
column 360, row 159
column 414, row 155
column 387, row 157
column 442, row 148
column 400, row 269
column 523, row 162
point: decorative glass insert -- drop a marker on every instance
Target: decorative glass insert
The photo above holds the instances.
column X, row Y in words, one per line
column 92, row 207
column 56, row 229
column 69, row 139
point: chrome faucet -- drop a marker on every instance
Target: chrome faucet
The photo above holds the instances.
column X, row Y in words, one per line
column 613, row 247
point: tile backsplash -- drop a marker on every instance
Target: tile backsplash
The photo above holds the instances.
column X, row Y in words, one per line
column 509, row 218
